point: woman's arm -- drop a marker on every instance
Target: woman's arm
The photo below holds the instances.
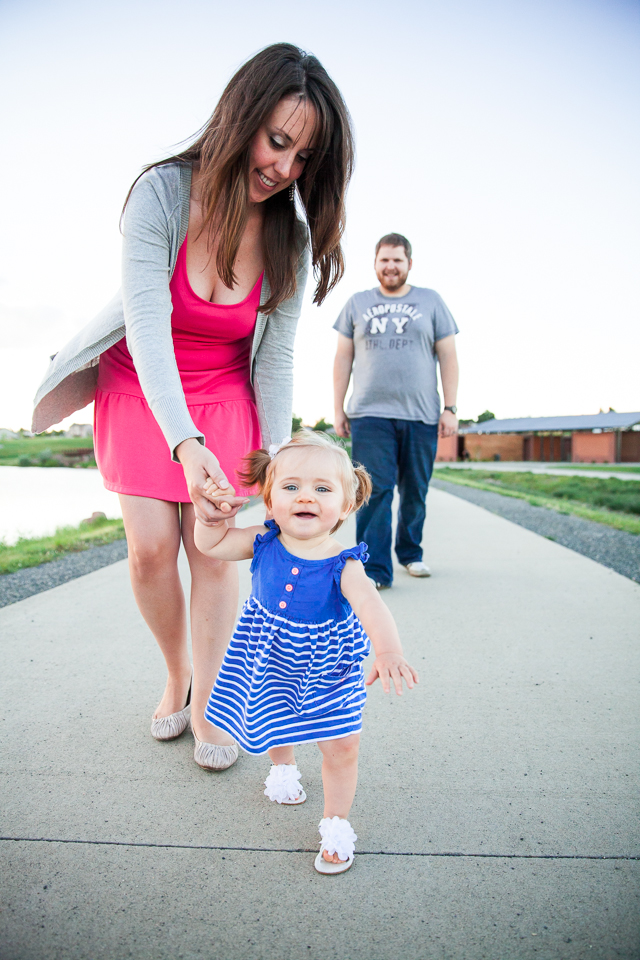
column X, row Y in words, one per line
column 222, row 542
column 151, row 232
column 375, row 617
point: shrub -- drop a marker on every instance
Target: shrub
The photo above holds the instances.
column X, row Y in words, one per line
column 322, row 425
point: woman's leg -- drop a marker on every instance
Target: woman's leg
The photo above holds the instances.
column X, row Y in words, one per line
column 153, row 536
column 214, row 605
column 339, row 778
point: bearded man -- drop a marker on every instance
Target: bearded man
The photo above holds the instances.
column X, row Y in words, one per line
column 397, row 334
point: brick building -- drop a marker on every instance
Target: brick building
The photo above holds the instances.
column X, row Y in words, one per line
column 598, row 438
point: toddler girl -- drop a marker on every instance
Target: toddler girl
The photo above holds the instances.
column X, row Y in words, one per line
column 293, row 670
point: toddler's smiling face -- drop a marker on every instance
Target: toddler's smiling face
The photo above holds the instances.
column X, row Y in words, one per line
column 307, row 496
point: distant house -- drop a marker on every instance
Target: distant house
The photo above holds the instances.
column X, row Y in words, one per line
column 591, row 438
column 80, row 430
column 8, row 434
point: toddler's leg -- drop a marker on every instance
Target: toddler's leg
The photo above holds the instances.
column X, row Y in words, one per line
column 281, row 755
column 339, row 777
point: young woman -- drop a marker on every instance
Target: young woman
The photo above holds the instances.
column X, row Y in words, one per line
column 191, row 364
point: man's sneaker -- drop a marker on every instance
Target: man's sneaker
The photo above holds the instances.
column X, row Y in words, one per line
column 418, row 569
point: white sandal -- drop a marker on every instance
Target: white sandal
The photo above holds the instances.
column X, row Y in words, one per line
column 282, row 784
column 337, row 837
column 168, row 728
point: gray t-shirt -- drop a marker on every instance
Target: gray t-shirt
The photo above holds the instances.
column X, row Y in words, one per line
column 394, row 338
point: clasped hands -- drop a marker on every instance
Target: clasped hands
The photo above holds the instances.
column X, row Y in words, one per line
column 223, row 498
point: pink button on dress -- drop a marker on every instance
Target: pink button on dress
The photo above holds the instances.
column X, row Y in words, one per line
column 212, row 344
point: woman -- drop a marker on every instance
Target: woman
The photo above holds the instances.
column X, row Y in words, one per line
column 211, row 238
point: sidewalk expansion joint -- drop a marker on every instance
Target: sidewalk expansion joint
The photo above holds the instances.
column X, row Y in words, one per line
column 361, row 853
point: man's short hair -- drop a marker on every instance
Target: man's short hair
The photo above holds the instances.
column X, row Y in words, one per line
column 394, row 240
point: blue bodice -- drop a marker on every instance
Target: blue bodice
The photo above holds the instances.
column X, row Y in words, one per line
column 303, row 591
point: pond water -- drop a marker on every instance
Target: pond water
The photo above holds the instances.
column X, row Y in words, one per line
column 36, row 500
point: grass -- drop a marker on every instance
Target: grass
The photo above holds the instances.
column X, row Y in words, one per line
column 610, row 467
column 615, row 503
column 31, row 551
column 47, row 451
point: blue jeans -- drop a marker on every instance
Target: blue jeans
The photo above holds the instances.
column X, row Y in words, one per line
column 394, row 452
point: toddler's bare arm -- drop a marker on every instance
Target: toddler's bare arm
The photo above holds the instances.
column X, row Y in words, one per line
column 374, row 615
column 222, row 542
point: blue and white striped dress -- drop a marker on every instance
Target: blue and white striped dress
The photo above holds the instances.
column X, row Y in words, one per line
column 293, row 670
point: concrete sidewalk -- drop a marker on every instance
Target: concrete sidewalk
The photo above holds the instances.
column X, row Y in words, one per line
column 496, row 811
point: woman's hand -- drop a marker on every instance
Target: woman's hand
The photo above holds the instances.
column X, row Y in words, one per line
column 199, row 464
column 392, row 666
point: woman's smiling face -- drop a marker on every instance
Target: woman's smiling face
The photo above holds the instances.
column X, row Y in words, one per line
column 307, row 497
column 281, row 148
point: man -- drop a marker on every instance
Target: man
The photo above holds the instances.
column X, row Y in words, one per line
column 397, row 334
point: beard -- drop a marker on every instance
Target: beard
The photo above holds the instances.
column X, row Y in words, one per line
column 393, row 282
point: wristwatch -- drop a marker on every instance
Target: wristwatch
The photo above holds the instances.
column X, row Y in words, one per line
column 453, row 409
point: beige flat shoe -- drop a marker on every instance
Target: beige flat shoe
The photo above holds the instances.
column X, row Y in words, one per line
column 168, row 728
column 213, row 756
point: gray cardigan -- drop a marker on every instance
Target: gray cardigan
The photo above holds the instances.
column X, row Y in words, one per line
column 155, row 226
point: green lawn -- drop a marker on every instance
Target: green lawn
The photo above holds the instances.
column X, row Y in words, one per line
column 29, row 552
column 610, row 467
column 613, row 502
column 47, row 451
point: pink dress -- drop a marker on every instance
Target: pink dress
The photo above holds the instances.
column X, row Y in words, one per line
column 212, row 343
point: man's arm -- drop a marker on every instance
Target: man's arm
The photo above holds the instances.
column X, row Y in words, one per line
column 341, row 376
column 448, row 360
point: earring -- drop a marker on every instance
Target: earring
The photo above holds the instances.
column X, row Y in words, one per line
column 292, row 192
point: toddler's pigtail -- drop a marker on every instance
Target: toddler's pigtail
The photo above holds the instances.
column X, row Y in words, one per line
column 255, row 469
column 364, row 488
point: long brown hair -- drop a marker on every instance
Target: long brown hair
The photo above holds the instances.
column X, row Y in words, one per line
column 222, row 150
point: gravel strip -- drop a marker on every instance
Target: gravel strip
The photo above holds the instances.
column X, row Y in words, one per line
column 25, row 583
column 612, row 548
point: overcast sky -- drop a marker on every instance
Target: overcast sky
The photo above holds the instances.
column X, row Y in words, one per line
column 501, row 137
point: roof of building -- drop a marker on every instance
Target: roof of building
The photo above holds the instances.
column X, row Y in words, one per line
column 603, row 421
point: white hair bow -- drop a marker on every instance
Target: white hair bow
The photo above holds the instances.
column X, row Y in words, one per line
column 274, row 447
